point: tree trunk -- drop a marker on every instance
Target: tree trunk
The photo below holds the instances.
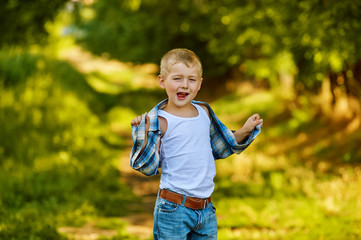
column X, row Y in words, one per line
column 333, row 85
column 357, row 78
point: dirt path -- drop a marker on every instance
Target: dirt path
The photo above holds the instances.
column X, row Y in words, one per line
column 139, row 224
column 146, row 188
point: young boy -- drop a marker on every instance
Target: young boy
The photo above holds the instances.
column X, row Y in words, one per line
column 184, row 138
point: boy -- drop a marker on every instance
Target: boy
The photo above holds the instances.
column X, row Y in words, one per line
column 184, row 138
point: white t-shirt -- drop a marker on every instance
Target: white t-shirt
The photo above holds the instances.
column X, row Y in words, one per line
column 186, row 157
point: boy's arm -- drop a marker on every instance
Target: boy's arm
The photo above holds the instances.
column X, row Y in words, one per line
column 225, row 142
column 205, row 109
column 163, row 124
column 146, row 142
column 135, row 123
column 144, row 156
column 247, row 128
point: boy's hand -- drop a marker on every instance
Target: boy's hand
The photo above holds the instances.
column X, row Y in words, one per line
column 248, row 127
column 136, row 121
column 251, row 123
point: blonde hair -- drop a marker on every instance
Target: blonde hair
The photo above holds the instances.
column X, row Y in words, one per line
column 179, row 55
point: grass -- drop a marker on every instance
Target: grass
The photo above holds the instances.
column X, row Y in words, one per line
column 56, row 168
column 298, row 180
column 293, row 204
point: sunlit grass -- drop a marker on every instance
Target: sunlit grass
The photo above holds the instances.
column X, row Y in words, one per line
column 285, row 186
column 302, row 205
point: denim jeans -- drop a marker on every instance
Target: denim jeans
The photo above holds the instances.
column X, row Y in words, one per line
column 177, row 222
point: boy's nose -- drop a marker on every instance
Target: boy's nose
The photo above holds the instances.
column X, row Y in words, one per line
column 184, row 83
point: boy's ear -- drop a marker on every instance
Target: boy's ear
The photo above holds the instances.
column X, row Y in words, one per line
column 200, row 84
column 161, row 81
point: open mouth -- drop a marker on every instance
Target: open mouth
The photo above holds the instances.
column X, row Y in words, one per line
column 182, row 95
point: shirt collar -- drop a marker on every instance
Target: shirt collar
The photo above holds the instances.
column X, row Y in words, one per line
column 153, row 114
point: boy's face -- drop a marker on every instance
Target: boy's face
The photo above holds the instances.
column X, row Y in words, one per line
column 181, row 84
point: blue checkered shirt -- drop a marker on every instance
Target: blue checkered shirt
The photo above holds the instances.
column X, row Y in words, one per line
column 223, row 141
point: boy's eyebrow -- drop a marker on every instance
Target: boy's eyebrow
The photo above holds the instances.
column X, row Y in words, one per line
column 180, row 74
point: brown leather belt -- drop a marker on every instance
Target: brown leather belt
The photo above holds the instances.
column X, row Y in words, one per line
column 191, row 202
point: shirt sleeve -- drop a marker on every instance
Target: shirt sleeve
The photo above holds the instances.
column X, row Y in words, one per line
column 146, row 162
column 223, row 140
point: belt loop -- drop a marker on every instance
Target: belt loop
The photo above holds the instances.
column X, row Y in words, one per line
column 184, row 200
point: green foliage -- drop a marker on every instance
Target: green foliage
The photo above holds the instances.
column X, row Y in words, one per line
column 264, row 39
column 54, row 167
column 23, row 21
column 28, row 223
column 16, row 66
column 152, row 39
column 291, row 183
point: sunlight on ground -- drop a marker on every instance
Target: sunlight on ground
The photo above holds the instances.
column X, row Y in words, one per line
column 111, row 76
column 87, row 232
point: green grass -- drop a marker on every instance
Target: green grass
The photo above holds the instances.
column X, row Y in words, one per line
column 299, row 179
column 56, row 168
column 291, row 185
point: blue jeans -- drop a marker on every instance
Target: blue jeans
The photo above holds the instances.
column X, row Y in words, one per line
column 177, row 222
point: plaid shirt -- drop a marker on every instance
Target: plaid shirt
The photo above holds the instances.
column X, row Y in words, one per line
column 223, row 141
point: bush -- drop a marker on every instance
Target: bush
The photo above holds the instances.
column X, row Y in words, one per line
column 54, row 167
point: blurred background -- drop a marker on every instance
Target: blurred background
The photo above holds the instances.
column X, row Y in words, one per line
column 74, row 73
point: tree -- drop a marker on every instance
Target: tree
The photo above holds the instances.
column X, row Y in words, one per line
column 309, row 39
column 23, row 21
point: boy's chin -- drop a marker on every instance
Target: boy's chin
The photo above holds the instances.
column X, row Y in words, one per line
column 182, row 103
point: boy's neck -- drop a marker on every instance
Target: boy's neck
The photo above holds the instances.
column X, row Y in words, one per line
column 186, row 111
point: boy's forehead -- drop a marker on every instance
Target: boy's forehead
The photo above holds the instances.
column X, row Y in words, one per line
column 181, row 67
